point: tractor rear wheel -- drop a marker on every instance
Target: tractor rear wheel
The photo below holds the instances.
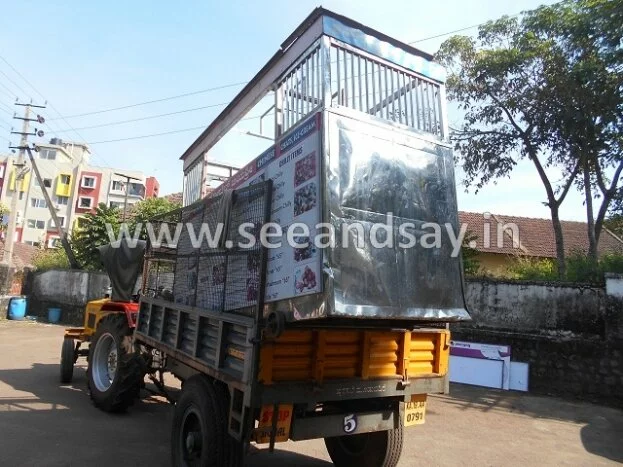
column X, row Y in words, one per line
column 114, row 373
column 68, row 358
column 376, row 449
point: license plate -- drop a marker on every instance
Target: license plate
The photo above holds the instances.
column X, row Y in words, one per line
column 415, row 410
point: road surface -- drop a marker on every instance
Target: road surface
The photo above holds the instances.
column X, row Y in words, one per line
column 43, row 423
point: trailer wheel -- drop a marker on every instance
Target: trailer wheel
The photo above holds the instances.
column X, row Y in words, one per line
column 68, row 358
column 198, row 435
column 376, row 449
column 114, row 372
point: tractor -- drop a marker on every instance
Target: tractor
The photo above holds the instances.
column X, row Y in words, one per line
column 114, row 372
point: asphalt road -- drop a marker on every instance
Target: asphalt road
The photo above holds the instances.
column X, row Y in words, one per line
column 43, row 423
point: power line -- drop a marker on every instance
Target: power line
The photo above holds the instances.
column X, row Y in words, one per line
column 164, row 133
column 216, row 88
column 9, row 90
column 120, row 122
column 14, row 83
column 450, row 32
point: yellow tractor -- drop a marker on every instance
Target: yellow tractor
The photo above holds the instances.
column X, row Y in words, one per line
column 114, row 373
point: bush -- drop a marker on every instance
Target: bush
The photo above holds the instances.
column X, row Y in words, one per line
column 53, row 258
column 533, row 269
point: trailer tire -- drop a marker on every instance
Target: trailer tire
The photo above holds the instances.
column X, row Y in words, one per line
column 114, row 372
column 199, row 430
column 68, row 358
column 376, row 449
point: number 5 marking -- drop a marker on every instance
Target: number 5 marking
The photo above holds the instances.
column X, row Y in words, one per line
column 350, row 423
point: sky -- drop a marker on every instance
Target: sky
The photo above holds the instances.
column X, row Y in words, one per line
column 89, row 56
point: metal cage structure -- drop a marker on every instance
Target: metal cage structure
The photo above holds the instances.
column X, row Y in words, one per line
column 360, row 132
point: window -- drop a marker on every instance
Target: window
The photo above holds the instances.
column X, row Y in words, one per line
column 117, row 185
column 38, row 203
column 136, row 189
column 115, row 204
column 62, row 200
column 60, row 219
column 54, row 242
column 21, row 195
column 85, row 202
column 47, row 182
column 35, row 224
column 49, row 154
column 88, row 181
column 31, row 243
column 65, row 179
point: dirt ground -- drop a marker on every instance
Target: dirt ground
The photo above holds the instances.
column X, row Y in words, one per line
column 43, row 423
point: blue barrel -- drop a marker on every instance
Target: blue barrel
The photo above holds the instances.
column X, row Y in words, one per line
column 17, row 308
column 54, row 315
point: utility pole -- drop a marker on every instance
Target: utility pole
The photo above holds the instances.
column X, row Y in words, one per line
column 20, row 171
column 70, row 254
column 125, row 201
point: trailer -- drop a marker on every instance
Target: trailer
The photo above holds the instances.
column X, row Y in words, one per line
column 302, row 339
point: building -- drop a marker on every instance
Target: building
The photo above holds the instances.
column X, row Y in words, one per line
column 75, row 188
column 500, row 239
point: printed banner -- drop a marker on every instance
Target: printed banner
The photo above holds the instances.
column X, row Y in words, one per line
column 294, row 167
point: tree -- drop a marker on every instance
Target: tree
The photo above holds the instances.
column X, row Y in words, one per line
column 586, row 117
column 148, row 210
column 523, row 84
column 93, row 233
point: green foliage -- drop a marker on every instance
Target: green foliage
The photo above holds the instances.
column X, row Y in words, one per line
column 615, row 224
column 93, row 233
column 52, row 258
column 534, row 269
column 148, row 210
column 580, row 268
column 471, row 265
column 544, row 87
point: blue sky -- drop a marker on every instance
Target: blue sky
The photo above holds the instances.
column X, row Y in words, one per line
column 87, row 56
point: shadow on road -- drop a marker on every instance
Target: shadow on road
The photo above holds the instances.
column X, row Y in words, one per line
column 68, row 430
column 601, row 434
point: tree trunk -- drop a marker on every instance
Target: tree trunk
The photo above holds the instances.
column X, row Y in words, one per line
column 560, row 246
column 590, row 217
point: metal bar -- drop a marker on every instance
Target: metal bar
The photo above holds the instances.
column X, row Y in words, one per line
column 399, row 95
column 365, row 68
column 352, row 79
column 411, row 81
column 300, row 100
column 313, row 79
column 387, row 93
column 418, row 103
column 360, row 87
column 428, row 112
column 345, row 98
column 373, row 89
column 404, row 95
column 339, row 76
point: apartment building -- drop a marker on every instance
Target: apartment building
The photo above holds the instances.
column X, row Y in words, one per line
column 75, row 187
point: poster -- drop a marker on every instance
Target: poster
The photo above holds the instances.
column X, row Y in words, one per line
column 293, row 164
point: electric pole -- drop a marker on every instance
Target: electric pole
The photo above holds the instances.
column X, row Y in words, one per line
column 127, row 185
column 20, row 171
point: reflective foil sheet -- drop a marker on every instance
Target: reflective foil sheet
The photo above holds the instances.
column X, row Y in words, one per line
column 372, row 169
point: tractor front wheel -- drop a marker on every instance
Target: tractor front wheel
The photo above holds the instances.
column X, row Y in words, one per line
column 114, row 372
column 68, row 358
